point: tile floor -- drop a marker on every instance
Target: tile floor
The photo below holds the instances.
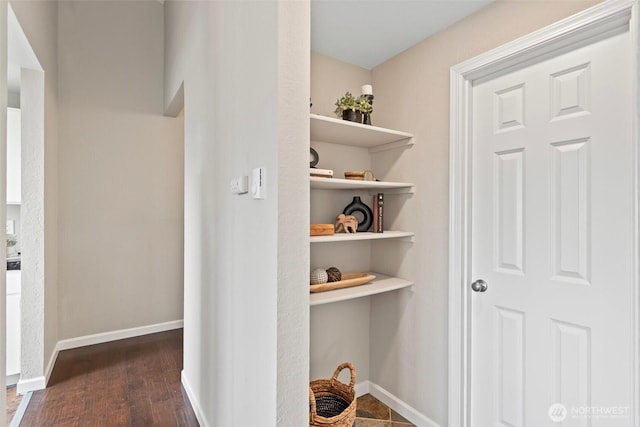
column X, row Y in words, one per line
column 373, row 413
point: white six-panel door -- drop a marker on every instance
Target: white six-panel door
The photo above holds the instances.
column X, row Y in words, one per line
column 552, row 225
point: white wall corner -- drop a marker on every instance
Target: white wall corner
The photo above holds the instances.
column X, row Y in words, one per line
column 195, row 404
column 52, row 362
column 401, row 407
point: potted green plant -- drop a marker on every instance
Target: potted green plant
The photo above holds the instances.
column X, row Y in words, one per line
column 346, row 107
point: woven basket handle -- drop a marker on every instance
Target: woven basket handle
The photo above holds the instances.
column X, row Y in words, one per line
column 339, row 369
column 312, row 403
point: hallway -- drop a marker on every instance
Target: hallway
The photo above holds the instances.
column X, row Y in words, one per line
column 131, row 382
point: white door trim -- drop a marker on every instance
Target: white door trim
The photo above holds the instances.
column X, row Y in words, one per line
column 612, row 16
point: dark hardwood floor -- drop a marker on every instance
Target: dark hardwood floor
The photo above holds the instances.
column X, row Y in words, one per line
column 132, row 382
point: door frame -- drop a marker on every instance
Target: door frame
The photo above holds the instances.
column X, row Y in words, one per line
column 600, row 21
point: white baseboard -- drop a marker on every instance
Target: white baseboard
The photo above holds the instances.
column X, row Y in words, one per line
column 117, row 335
column 12, row 379
column 401, row 407
column 32, row 384
column 195, row 404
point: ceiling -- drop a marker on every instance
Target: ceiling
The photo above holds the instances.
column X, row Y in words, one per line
column 368, row 32
column 361, row 32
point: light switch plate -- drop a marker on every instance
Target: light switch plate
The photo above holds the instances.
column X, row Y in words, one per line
column 11, row 227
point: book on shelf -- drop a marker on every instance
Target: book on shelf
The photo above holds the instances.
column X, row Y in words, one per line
column 378, row 213
column 321, row 173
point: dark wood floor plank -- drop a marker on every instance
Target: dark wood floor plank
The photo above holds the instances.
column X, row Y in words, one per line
column 133, row 382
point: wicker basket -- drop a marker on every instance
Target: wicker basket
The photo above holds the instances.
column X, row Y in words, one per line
column 332, row 403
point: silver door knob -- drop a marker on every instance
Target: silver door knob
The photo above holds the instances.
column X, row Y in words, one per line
column 479, row 286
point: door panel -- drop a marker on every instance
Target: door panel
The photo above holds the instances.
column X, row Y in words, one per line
column 509, row 219
column 552, row 228
column 570, row 211
column 510, row 366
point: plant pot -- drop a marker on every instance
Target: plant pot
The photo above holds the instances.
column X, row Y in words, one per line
column 352, row 116
column 349, row 115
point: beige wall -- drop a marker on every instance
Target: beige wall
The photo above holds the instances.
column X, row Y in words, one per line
column 330, row 79
column 409, row 356
column 121, row 171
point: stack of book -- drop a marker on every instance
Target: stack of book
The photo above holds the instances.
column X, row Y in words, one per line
column 321, row 173
column 378, row 223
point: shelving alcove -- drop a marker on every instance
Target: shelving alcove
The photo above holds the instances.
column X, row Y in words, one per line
column 375, row 139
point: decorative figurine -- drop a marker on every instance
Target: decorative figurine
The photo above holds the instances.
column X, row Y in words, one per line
column 346, row 224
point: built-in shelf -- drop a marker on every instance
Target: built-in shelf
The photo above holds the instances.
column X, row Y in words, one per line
column 328, row 129
column 380, row 284
column 350, row 237
column 350, row 184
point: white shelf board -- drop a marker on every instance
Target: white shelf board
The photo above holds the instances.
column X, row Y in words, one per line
column 350, row 184
column 344, row 132
column 380, row 284
column 351, row 237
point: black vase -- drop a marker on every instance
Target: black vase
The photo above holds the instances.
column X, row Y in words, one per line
column 356, row 205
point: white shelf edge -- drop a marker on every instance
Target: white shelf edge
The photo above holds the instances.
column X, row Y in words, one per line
column 381, row 284
column 340, row 122
column 350, row 184
column 347, row 237
column 381, row 139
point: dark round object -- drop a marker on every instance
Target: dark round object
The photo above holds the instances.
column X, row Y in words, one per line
column 334, row 274
column 313, row 158
column 357, row 206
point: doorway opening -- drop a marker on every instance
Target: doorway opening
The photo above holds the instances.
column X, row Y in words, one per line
column 25, row 214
